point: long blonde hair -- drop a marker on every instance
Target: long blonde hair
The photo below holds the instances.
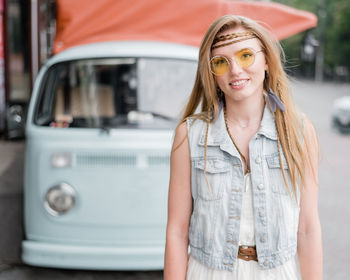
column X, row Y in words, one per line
column 289, row 123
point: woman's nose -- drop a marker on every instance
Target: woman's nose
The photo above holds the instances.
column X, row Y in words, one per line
column 234, row 67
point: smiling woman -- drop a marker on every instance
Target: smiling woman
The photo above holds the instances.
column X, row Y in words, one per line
column 243, row 175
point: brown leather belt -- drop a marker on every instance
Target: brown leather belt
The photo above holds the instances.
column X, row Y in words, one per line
column 247, row 253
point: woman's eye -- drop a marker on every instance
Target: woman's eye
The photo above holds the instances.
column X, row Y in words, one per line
column 219, row 62
column 246, row 55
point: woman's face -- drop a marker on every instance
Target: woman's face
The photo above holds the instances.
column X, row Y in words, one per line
column 241, row 82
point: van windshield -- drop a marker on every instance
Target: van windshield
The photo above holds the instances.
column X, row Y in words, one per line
column 115, row 93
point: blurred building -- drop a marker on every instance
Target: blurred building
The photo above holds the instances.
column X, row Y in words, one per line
column 27, row 30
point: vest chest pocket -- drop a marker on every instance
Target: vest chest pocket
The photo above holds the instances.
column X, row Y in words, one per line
column 273, row 161
column 275, row 171
column 217, row 173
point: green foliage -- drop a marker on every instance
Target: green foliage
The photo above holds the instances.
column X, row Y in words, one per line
column 336, row 36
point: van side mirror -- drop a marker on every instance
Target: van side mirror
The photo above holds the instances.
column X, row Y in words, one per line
column 16, row 113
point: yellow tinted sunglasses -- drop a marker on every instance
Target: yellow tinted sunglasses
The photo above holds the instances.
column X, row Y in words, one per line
column 244, row 58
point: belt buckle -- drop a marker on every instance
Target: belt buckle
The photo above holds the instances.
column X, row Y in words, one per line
column 247, row 256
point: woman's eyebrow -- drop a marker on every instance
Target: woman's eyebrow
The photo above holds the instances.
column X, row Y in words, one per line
column 241, row 49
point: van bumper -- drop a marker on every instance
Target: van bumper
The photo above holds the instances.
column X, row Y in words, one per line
column 92, row 257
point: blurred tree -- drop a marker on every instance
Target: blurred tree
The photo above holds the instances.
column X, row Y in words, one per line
column 337, row 37
column 293, row 45
column 334, row 31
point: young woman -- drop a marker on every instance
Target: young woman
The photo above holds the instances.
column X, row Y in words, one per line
column 243, row 184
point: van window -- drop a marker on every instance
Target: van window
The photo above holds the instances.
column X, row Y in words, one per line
column 115, row 92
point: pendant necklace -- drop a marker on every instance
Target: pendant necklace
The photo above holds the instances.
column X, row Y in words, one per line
column 247, row 170
column 244, row 126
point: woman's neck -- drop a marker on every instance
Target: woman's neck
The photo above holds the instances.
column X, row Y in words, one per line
column 246, row 112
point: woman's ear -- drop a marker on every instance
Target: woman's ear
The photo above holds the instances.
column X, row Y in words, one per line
column 266, row 68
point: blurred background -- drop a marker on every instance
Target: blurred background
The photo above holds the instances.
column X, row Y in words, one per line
column 317, row 59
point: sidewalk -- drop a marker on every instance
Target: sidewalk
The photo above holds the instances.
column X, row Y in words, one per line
column 316, row 100
column 11, row 200
column 11, row 167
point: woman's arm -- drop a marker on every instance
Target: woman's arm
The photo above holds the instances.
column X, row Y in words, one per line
column 309, row 231
column 179, row 208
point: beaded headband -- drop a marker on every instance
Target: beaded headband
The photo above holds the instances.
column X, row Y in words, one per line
column 235, row 37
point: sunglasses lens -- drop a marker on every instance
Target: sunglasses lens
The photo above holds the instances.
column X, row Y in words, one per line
column 219, row 65
column 245, row 58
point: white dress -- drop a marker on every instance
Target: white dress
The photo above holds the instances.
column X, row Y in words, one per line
column 245, row 270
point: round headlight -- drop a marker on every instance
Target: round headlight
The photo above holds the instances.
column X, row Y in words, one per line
column 59, row 199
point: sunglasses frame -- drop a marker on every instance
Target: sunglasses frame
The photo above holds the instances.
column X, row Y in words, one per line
column 228, row 60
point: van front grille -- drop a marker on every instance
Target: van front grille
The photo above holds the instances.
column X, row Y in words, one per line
column 158, row 160
column 121, row 160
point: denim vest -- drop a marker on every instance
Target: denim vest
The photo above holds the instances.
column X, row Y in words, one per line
column 215, row 220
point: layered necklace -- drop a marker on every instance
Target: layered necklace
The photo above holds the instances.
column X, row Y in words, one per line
column 247, row 169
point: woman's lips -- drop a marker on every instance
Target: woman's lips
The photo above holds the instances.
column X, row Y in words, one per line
column 238, row 84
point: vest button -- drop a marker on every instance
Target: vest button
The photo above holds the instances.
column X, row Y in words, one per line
column 266, row 263
column 258, row 160
column 262, row 239
column 261, row 214
column 260, row 186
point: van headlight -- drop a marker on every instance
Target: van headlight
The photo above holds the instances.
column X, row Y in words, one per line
column 59, row 199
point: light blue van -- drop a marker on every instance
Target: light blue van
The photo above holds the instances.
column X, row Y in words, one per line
column 99, row 134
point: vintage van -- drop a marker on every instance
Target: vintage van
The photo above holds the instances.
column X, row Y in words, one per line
column 99, row 133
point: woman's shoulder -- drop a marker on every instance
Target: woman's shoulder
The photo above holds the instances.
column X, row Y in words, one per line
column 198, row 119
column 309, row 132
column 306, row 124
column 192, row 127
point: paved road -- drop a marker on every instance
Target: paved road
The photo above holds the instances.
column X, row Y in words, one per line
column 334, row 175
column 11, row 178
column 334, row 180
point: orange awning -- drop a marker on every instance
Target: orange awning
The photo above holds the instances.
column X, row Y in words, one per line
column 178, row 21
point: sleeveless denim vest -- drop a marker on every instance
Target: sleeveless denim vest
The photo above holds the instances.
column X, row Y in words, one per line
column 215, row 220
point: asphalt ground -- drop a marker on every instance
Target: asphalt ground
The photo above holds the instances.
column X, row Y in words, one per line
column 315, row 99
